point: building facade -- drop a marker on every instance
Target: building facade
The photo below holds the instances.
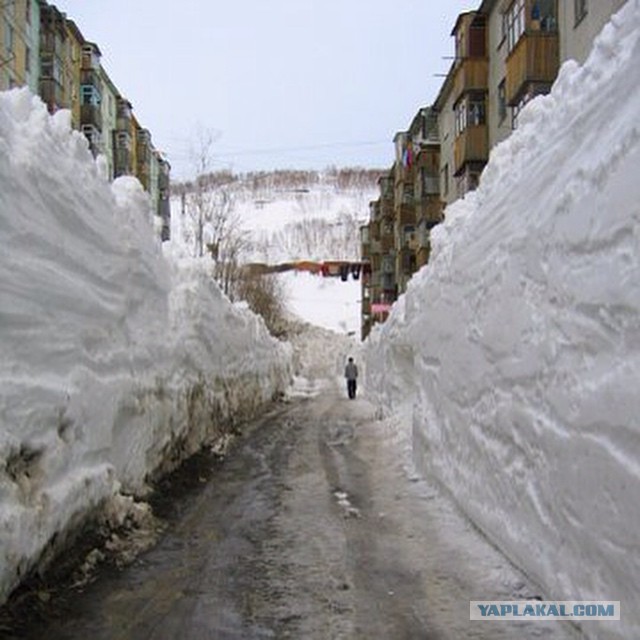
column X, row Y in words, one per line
column 42, row 49
column 580, row 21
column 506, row 53
column 19, row 44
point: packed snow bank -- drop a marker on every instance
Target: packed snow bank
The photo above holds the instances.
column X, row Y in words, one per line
column 519, row 344
column 116, row 363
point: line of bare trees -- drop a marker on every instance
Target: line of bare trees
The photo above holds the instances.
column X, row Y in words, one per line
column 213, row 227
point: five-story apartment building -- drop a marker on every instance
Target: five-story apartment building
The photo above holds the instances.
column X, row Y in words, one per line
column 41, row 48
column 506, row 53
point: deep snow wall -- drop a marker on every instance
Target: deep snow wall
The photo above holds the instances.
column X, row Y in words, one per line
column 115, row 363
column 518, row 346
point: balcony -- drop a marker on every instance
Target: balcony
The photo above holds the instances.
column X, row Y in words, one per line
column 375, row 247
column 386, row 208
column 386, row 187
column 472, row 74
column 374, row 230
column 534, row 60
column 90, row 77
column 471, row 146
column 429, row 211
column 405, row 214
column 91, row 114
column 52, row 94
column 423, row 236
column 387, row 243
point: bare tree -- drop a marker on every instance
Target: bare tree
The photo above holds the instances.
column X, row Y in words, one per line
column 266, row 296
column 206, row 201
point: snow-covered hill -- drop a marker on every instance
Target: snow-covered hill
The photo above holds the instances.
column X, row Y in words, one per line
column 518, row 346
column 290, row 216
column 115, row 362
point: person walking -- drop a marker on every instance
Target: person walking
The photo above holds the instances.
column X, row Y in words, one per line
column 351, row 374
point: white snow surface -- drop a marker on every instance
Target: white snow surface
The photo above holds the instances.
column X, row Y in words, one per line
column 116, row 362
column 518, row 346
column 318, row 222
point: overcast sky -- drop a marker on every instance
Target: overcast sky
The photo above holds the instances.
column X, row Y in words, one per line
column 283, row 83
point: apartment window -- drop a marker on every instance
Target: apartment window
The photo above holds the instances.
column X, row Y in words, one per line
column 28, row 11
column 581, row 8
column 502, row 101
column 89, row 95
column 91, row 133
column 8, row 37
column 429, row 182
column 461, row 183
column 407, row 194
column 544, row 11
column 477, row 114
column 469, row 112
column 461, row 117
column 445, row 180
column 515, row 111
column 123, row 140
column 409, row 233
column 46, row 69
column 460, row 52
column 473, row 180
column 27, row 60
column 514, row 23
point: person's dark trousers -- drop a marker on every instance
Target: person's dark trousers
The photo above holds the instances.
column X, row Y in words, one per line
column 351, row 388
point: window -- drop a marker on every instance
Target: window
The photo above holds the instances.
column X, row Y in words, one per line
column 28, row 11
column 461, row 117
column 546, row 11
column 445, row 180
column 27, row 60
column 89, row 95
column 123, row 140
column 407, row 194
column 502, row 102
column 92, row 134
column 460, row 45
column 515, row 111
column 477, row 114
column 429, row 182
column 8, row 37
column 514, row 23
column 469, row 112
column 581, row 8
column 409, row 233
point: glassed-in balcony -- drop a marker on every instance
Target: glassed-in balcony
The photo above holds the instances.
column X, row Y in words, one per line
column 535, row 59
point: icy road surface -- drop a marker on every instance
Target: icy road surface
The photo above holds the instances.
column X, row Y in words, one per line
column 313, row 527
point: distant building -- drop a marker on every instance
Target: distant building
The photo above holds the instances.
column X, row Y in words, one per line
column 43, row 49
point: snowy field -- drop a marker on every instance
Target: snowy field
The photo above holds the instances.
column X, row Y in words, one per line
column 517, row 349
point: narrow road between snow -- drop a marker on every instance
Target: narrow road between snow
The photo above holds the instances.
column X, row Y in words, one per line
column 313, row 527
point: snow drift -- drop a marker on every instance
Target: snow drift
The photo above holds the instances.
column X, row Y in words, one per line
column 115, row 363
column 518, row 346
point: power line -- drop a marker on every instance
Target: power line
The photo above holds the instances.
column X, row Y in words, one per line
column 315, row 147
